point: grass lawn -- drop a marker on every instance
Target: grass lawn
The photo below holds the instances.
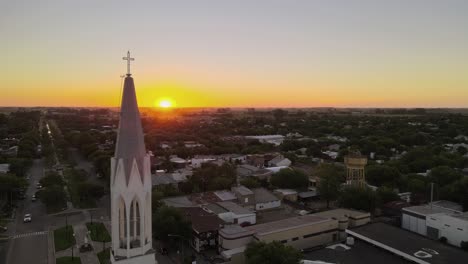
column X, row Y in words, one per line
column 68, row 260
column 98, row 232
column 63, row 238
column 104, row 256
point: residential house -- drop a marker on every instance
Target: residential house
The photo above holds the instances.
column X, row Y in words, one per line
column 205, row 227
column 264, row 199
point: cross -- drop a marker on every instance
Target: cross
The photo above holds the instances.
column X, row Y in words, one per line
column 128, row 59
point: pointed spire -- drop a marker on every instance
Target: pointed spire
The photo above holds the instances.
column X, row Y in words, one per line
column 130, row 139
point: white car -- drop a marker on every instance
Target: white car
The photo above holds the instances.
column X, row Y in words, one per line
column 27, row 218
column 33, row 198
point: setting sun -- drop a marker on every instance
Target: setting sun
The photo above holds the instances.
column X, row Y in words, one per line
column 165, row 103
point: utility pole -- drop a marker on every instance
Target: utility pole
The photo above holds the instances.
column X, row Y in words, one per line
column 432, row 193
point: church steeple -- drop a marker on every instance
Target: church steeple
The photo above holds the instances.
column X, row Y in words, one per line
column 130, row 185
column 130, row 140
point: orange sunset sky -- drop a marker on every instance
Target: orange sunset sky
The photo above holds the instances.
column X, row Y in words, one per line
column 256, row 53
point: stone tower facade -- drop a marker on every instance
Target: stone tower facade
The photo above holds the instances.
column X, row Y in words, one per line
column 131, row 186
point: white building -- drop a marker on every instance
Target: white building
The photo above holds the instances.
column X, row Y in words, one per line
column 131, row 186
column 453, row 227
column 270, row 139
column 442, row 219
column 279, row 161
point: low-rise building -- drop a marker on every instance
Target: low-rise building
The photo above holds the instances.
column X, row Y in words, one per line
column 346, row 219
column 286, row 194
column 264, row 199
column 438, row 220
column 300, row 232
column 205, row 226
column 232, row 213
column 244, row 196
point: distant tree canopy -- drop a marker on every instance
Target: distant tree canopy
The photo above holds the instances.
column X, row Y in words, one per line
column 382, row 175
column 272, row 253
column 210, row 177
column 358, row 198
column 444, row 175
column 290, row 178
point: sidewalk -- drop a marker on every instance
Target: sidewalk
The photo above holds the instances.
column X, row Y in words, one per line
column 90, row 257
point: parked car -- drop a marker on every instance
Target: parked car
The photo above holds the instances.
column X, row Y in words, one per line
column 3, row 228
column 27, row 218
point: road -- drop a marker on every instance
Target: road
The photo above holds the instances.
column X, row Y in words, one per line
column 29, row 240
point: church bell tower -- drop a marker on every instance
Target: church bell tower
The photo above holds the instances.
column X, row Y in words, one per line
column 131, row 185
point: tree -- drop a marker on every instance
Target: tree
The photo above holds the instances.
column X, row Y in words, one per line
column 90, row 191
column 329, row 185
column 385, row 195
column 444, row 175
column 358, row 198
column 53, row 196
column 52, row 178
column 272, row 253
column 382, row 175
column 290, row 178
column 250, row 182
column 170, row 221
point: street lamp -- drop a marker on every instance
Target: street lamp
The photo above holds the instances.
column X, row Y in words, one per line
column 73, row 245
column 103, row 238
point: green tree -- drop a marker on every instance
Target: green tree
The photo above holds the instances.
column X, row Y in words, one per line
column 382, row 175
column 290, row 178
column 170, row 221
column 53, row 197
column 385, row 195
column 52, row 178
column 358, row 198
column 250, row 182
column 272, row 253
column 444, row 175
column 330, row 181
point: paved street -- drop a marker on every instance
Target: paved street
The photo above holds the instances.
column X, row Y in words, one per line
column 29, row 240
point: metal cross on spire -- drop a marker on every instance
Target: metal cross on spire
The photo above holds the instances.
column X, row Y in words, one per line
column 128, row 59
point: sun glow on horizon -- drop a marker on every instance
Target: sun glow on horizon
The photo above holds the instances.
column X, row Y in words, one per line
column 165, row 103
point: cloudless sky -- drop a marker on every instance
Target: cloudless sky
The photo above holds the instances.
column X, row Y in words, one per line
column 244, row 53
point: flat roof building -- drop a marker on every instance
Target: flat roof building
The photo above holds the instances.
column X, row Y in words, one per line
column 408, row 245
column 300, row 232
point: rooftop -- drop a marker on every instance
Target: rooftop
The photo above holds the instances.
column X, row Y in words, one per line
column 235, row 231
column 341, row 213
column 215, row 208
column 201, row 220
column 286, row 191
column 286, row 224
column 407, row 244
column 262, row 195
column 354, row 255
column 180, row 201
column 225, row 195
column 235, row 208
column 428, row 209
column 242, row 190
